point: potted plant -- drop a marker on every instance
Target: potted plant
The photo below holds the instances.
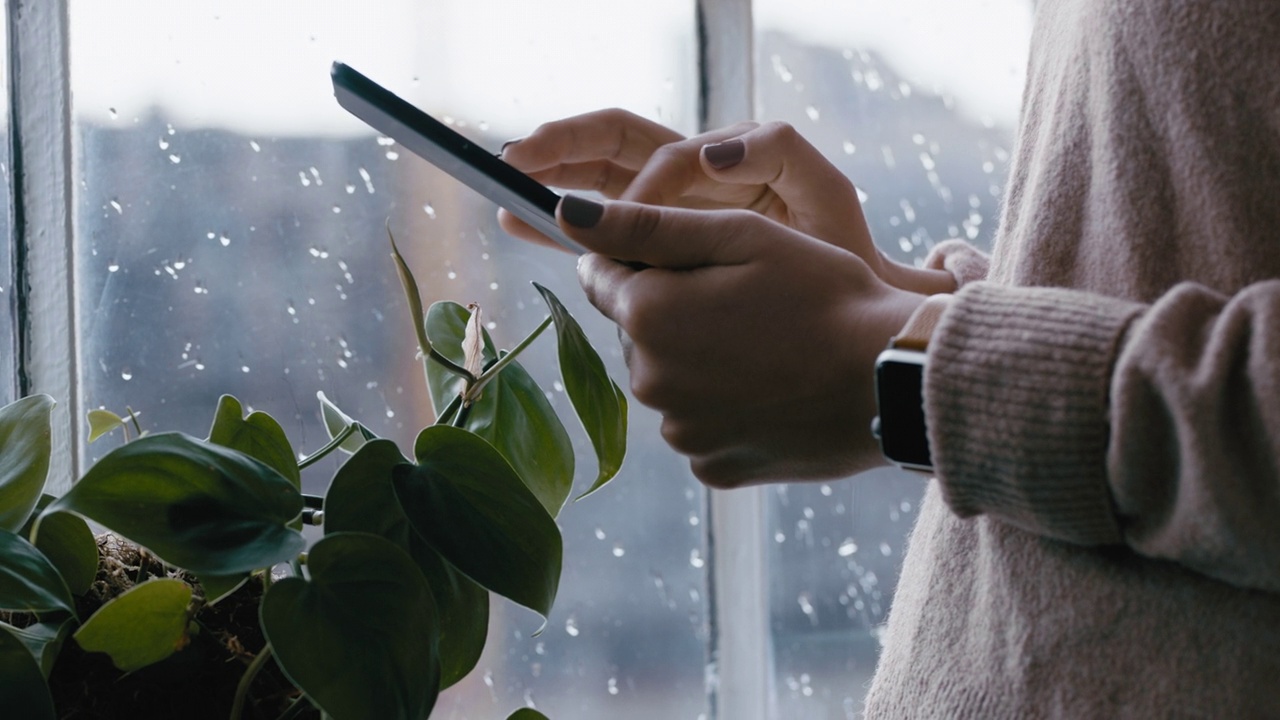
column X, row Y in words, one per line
column 204, row 564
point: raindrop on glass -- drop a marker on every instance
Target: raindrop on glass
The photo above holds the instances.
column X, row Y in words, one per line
column 571, row 626
column 430, row 210
column 175, row 159
column 126, row 374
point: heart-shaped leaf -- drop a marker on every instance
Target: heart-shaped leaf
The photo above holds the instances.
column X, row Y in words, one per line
column 464, row 499
column 24, row 457
column 28, row 581
column 197, row 505
column 259, row 436
column 512, row 414
column 336, row 421
column 526, row 714
column 599, row 402
column 44, row 640
column 362, row 499
column 218, row 587
column 143, row 626
column 102, row 422
column 23, row 692
column 359, row 638
column 68, row 543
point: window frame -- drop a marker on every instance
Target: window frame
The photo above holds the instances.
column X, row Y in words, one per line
column 45, row 356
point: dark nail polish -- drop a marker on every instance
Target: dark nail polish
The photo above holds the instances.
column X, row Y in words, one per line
column 580, row 212
column 508, row 144
column 726, row 154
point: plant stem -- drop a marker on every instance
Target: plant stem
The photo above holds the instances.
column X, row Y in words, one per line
column 242, row 690
column 446, row 417
column 299, row 706
column 337, row 440
column 460, row 420
column 473, row 389
column 133, row 417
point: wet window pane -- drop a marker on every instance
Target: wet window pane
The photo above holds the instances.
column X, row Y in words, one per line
column 8, row 295
column 916, row 102
column 230, row 229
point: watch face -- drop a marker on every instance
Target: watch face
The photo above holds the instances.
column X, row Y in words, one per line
column 900, row 395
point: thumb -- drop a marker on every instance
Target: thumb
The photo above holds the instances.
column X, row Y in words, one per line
column 658, row 236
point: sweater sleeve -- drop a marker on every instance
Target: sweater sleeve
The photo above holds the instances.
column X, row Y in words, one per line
column 1096, row 421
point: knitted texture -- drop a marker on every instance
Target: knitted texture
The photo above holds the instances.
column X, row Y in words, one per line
column 1033, row 458
column 1102, row 539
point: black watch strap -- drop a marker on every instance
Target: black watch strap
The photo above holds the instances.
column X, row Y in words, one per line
column 900, row 426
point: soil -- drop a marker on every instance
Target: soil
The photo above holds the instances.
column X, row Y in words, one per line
column 194, row 683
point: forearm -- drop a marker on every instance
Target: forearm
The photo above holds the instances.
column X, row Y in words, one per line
column 1095, row 421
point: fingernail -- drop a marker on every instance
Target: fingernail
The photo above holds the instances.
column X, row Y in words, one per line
column 508, row 144
column 725, row 154
column 580, row 212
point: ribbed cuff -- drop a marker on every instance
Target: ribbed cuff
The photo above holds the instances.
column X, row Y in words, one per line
column 1016, row 396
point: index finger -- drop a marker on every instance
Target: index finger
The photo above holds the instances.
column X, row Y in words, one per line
column 619, row 136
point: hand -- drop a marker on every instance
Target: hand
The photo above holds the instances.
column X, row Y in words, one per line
column 755, row 342
column 770, row 169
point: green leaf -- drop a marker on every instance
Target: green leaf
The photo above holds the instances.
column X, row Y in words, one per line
column 359, row 637
column 143, row 626
column 23, row 691
column 218, row 587
column 335, row 421
column 259, row 436
column 28, row 581
column 465, row 500
column 24, row 457
column 102, row 422
column 197, row 505
column 362, row 499
column 68, row 543
column 512, row 414
column 44, row 640
column 599, row 401
column 526, row 714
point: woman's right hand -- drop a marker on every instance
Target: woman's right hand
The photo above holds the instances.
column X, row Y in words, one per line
column 769, row 169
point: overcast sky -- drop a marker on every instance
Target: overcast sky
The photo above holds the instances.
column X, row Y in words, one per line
column 262, row 66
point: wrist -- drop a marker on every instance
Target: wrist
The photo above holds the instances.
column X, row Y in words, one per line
column 923, row 281
column 900, row 424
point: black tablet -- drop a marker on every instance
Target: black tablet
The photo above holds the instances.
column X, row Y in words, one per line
column 438, row 144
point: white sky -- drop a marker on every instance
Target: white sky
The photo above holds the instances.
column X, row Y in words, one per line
column 261, row 66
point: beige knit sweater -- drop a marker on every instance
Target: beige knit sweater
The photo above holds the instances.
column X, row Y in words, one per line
column 1103, row 539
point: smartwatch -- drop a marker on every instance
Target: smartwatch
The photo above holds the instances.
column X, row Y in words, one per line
column 900, row 422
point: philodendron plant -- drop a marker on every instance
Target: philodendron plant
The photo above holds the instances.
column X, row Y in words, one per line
column 389, row 607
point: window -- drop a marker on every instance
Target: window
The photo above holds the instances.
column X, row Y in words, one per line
column 916, row 102
column 226, row 227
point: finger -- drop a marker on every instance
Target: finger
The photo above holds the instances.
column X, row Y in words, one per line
column 775, row 154
column 604, row 280
column 618, row 136
column 602, row 176
column 675, row 170
column 673, row 238
column 516, row 227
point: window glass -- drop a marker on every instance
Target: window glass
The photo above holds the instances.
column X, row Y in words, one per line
column 916, row 101
column 231, row 238
column 8, row 295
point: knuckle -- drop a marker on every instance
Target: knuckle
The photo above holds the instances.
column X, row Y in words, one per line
column 781, row 133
